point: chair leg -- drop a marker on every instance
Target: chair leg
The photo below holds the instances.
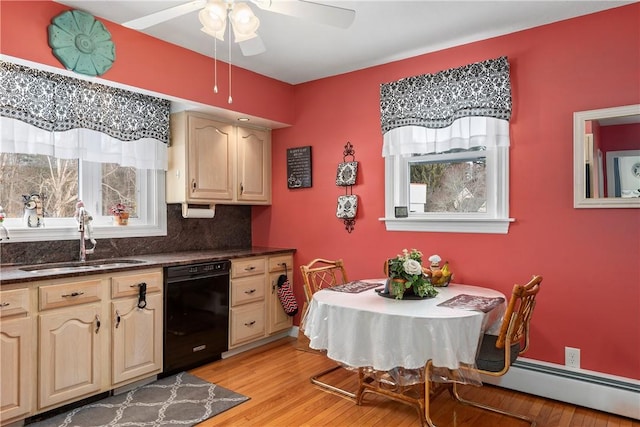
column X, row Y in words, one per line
column 454, row 393
column 316, row 381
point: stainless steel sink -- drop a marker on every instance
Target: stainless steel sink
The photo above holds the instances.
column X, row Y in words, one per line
column 70, row 267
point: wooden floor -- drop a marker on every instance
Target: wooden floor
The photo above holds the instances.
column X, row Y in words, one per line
column 276, row 378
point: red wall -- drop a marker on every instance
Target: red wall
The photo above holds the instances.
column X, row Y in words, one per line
column 588, row 257
column 590, row 296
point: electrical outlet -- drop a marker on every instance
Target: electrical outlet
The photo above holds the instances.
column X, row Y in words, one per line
column 572, row 357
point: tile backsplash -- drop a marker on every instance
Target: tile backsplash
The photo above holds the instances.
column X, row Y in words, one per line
column 229, row 229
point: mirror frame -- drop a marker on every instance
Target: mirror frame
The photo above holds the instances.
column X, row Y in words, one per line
column 579, row 119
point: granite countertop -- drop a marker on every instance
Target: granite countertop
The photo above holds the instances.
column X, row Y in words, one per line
column 14, row 274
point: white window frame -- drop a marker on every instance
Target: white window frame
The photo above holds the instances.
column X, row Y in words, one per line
column 495, row 221
column 151, row 217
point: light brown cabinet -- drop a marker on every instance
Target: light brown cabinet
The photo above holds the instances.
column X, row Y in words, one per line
column 15, row 355
column 278, row 320
column 256, row 311
column 211, row 162
column 136, row 332
column 92, row 336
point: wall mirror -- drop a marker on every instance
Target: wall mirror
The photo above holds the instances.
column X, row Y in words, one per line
column 606, row 158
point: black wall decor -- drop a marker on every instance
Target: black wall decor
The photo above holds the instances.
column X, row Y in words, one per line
column 346, row 177
column 299, row 167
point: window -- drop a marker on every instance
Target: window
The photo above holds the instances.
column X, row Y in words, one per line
column 61, row 182
column 462, row 190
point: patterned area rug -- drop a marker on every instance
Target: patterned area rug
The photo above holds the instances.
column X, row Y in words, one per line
column 178, row 400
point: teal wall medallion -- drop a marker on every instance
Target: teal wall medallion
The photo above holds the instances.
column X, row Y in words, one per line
column 81, row 43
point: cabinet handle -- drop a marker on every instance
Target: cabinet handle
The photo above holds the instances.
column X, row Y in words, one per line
column 193, row 185
column 117, row 319
column 5, row 304
column 251, row 268
column 72, row 294
column 97, row 323
column 241, row 188
column 249, row 291
column 250, row 323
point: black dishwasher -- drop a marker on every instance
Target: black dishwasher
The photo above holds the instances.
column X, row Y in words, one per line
column 196, row 314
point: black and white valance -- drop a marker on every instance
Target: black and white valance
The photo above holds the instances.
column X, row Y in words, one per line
column 453, row 108
column 52, row 114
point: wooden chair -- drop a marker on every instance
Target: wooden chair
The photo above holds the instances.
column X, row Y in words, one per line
column 495, row 356
column 497, row 353
column 320, row 274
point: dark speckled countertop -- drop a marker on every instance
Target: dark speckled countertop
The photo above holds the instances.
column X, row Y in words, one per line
column 14, row 275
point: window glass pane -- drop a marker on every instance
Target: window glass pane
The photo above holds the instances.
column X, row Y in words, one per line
column 448, row 185
column 56, row 180
column 119, row 185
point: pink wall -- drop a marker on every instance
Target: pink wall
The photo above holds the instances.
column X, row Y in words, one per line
column 589, row 257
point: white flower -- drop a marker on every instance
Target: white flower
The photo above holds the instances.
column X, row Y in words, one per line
column 411, row 266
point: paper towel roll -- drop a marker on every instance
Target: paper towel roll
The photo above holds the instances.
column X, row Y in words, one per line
column 199, row 211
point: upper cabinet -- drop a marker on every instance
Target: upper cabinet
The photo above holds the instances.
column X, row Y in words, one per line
column 216, row 162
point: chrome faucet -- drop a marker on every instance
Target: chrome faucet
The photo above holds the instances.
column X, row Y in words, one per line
column 84, row 227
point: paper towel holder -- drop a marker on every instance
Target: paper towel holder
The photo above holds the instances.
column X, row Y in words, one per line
column 198, row 211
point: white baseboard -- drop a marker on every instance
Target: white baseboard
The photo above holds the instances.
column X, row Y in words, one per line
column 595, row 390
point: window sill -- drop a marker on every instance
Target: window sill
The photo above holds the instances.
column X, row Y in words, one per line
column 43, row 234
column 450, row 225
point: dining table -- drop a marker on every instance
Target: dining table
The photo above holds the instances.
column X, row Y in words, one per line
column 358, row 325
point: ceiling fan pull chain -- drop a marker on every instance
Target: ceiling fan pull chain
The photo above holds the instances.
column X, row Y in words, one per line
column 215, row 65
column 229, row 28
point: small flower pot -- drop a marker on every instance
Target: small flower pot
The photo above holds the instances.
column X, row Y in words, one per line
column 122, row 218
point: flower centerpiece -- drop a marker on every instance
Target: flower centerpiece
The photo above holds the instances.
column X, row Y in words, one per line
column 406, row 274
column 120, row 214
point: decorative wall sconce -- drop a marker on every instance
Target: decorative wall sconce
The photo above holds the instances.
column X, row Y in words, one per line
column 346, row 177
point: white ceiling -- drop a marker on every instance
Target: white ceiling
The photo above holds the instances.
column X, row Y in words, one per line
column 299, row 50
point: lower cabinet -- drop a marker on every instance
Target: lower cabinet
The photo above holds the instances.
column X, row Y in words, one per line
column 15, row 355
column 70, row 342
column 256, row 311
column 94, row 334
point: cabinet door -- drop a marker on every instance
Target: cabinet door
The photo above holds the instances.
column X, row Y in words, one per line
column 254, row 165
column 70, row 343
column 210, row 160
column 278, row 320
column 137, row 338
column 15, row 368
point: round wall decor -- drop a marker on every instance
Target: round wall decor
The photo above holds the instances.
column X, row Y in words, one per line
column 81, row 43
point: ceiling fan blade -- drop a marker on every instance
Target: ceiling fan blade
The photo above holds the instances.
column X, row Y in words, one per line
column 316, row 12
column 253, row 46
column 164, row 15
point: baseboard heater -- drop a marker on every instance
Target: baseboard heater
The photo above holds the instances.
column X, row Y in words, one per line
column 607, row 393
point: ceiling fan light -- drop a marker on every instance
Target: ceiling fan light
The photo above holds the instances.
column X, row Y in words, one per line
column 214, row 17
column 244, row 22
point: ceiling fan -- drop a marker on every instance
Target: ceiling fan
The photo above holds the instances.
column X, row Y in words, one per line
column 214, row 15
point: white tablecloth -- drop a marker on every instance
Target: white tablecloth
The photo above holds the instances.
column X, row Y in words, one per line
column 367, row 330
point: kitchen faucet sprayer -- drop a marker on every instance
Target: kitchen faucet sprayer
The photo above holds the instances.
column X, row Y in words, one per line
column 84, row 227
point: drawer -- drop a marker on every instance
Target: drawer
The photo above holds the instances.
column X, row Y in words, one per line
column 247, row 323
column 14, row 303
column 126, row 285
column 67, row 294
column 247, row 267
column 247, row 289
column 278, row 263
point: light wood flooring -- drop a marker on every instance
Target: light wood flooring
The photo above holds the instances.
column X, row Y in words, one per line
column 276, row 378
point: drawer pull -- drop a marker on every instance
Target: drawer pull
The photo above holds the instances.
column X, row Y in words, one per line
column 97, row 323
column 72, row 294
column 249, row 291
column 250, row 268
column 117, row 319
column 253, row 322
column 5, row 304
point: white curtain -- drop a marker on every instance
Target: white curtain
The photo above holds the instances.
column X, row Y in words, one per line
column 83, row 144
column 464, row 133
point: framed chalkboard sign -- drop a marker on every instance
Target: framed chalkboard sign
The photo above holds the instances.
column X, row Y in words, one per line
column 299, row 167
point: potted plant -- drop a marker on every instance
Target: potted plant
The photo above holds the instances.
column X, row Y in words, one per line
column 407, row 276
column 120, row 214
